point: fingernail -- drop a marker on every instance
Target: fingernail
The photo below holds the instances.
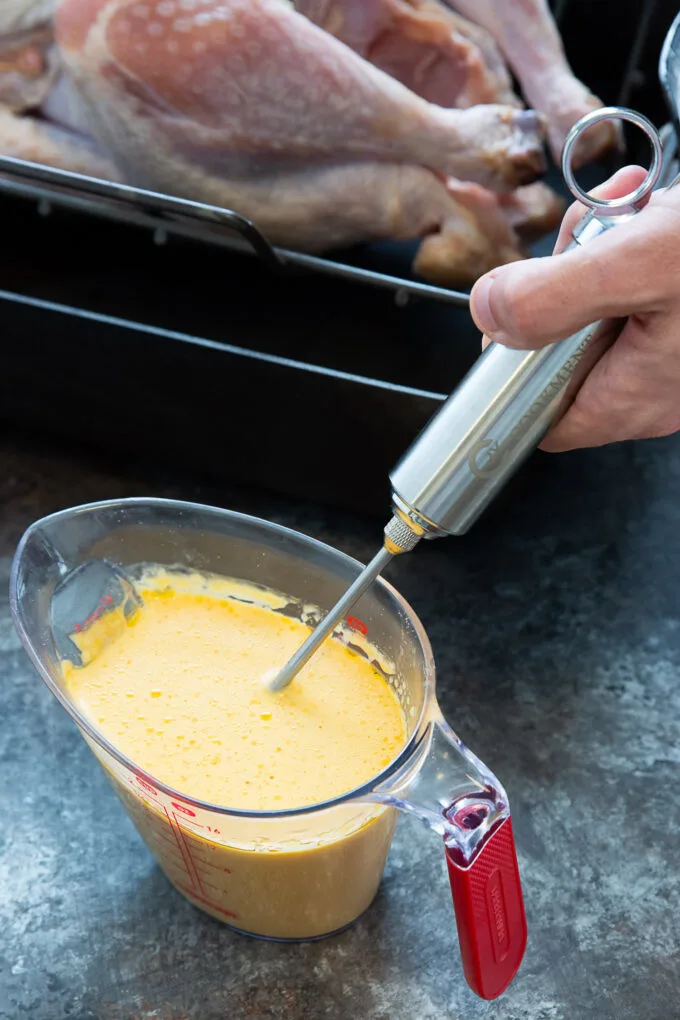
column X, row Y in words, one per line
column 480, row 306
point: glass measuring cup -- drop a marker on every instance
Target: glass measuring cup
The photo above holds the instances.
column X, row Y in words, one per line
column 280, row 874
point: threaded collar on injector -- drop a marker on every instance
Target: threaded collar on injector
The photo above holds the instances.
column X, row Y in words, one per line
column 401, row 536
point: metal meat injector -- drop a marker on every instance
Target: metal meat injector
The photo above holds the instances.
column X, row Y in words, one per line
column 495, row 418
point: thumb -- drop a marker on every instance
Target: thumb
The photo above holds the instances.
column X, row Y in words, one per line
column 530, row 304
column 624, row 271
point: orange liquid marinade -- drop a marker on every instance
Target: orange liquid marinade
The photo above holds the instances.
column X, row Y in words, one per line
column 180, row 691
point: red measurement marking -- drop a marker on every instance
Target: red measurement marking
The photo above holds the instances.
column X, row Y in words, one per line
column 213, row 867
column 171, row 859
column 165, row 845
column 154, row 818
column 187, row 858
column 155, row 823
column 193, row 838
column 357, row 624
column 174, row 875
column 209, row 885
column 183, row 810
column 180, row 833
column 208, row 903
column 168, row 840
column 104, row 602
column 146, row 786
column 198, row 837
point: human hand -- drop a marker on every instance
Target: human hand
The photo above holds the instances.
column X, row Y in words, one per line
column 633, row 272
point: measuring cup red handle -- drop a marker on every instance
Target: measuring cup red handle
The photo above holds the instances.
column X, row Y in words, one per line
column 492, row 927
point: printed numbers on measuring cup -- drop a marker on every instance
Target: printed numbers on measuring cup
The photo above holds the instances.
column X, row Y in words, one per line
column 184, row 810
column 192, row 814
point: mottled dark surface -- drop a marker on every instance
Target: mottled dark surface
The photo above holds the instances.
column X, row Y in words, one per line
column 556, row 628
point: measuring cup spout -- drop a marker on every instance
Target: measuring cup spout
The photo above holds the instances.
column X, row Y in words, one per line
column 446, row 786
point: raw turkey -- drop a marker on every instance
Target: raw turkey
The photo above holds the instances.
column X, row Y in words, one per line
column 453, row 61
column 528, row 37
column 32, row 78
column 327, row 125
column 248, row 104
column 450, row 61
column 439, row 55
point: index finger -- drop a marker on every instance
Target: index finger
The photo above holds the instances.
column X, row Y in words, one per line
column 621, row 183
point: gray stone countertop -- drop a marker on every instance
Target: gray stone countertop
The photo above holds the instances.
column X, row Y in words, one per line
column 556, row 629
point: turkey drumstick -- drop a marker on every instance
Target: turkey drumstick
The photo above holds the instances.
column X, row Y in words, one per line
column 530, row 41
column 250, row 90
